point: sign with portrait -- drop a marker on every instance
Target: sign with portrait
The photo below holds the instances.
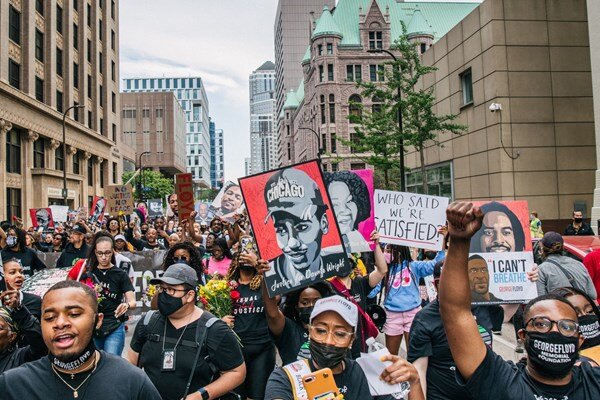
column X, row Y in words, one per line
column 172, row 206
column 184, row 188
column 500, row 255
column 410, row 219
column 351, row 194
column 119, row 199
column 204, row 212
column 97, row 210
column 228, row 202
column 155, row 208
column 42, row 218
column 294, row 225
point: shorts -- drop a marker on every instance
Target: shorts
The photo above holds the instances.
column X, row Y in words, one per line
column 399, row 322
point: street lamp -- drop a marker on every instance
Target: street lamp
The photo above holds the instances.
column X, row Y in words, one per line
column 402, row 178
column 140, row 181
column 65, row 192
column 318, row 141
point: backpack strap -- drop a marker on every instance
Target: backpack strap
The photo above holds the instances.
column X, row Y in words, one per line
column 149, row 322
column 295, row 371
column 567, row 274
column 201, row 336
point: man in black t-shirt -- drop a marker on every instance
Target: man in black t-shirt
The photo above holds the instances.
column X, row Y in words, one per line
column 551, row 334
column 165, row 343
column 74, row 368
column 75, row 250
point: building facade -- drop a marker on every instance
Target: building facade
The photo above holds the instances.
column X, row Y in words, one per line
column 292, row 31
column 54, row 55
column 593, row 11
column 217, row 157
column 263, row 138
column 191, row 95
column 154, row 123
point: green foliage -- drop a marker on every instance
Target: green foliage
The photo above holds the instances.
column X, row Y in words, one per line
column 156, row 184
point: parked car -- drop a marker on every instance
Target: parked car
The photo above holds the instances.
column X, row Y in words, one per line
column 576, row 247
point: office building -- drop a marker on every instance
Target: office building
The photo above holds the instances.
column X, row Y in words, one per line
column 53, row 55
column 263, row 146
column 217, row 159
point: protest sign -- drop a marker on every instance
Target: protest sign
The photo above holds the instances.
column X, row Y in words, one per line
column 294, row 226
column 41, row 281
column 120, row 199
column 172, row 208
column 97, row 210
column 351, row 194
column 184, row 188
column 228, row 202
column 203, row 212
column 155, row 207
column 41, row 218
column 410, row 219
column 60, row 213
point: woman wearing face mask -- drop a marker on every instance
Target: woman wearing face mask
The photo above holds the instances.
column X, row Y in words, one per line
column 588, row 315
column 220, row 260
column 16, row 248
column 356, row 288
column 250, row 324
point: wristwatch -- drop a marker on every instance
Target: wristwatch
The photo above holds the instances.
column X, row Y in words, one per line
column 204, row 393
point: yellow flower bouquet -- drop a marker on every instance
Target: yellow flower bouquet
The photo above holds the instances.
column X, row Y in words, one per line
column 218, row 295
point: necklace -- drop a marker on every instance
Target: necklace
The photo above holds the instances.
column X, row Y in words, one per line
column 180, row 336
column 76, row 389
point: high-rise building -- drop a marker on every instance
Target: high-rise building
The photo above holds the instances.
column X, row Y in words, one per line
column 248, row 166
column 263, row 146
column 217, row 162
column 54, row 55
column 155, row 123
column 293, row 27
column 191, row 95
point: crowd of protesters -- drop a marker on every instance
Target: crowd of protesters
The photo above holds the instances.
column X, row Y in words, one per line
column 72, row 341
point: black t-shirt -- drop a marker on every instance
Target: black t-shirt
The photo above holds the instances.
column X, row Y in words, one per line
column 33, row 303
column 250, row 319
column 292, row 344
column 71, row 255
column 223, row 351
column 428, row 339
column 27, row 258
column 114, row 379
column 115, row 283
column 352, row 383
column 499, row 379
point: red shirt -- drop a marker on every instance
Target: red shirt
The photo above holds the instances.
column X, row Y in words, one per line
column 592, row 264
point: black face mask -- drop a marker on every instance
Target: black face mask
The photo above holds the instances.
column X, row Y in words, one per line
column 167, row 305
column 74, row 361
column 304, row 313
column 589, row 326
column 577, row 220
column 181, row 260
column 144, row 231
column 543, row 347
column 326, row 356
column 247, row 268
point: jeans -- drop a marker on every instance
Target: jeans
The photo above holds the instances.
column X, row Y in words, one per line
column 113, row 343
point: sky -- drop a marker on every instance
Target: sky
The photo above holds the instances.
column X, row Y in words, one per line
column 220, row 41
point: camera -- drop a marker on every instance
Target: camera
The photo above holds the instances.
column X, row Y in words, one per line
column 495, row 107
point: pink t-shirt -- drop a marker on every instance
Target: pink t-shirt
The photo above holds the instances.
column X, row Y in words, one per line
column 218, row 267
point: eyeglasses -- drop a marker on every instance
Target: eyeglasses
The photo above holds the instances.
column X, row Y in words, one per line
column 321, row 334
column 178, row 259
column 566, row 327
column 169, row 290
column 104, row 253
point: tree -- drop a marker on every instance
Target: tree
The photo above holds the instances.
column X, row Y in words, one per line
column 378, row 134
column 156, row 185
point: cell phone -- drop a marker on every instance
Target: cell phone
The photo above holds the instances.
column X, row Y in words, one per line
column 246, row 244
column 320, row 385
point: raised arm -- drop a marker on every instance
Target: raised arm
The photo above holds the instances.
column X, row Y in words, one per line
column 190, row 228
column 466, row 345
column 381, row 266
column 275, row 318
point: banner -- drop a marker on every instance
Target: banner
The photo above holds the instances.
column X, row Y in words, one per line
column 42, row 218
column 97, row 210
column 204, row 213
column 294, row 226
column 120, row 199
column 60, row 213
column 410, row 219
column 155, row 207
column 228, row 202
column 184, row 188
column 351, row 194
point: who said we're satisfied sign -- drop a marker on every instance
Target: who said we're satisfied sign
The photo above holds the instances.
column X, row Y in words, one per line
column 410, row 219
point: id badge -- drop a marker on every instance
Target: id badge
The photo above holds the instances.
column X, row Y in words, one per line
column 168, row 360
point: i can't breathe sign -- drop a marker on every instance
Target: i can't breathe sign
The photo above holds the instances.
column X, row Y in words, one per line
column 410, row 219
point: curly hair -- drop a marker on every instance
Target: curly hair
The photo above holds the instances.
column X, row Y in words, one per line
column 108, row 221
column 195, row 257
column 358, row 190
column 233, row 274
column 514, row 222
column 290, row 308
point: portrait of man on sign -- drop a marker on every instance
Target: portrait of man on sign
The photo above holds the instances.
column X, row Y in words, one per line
column 502, row 231
column 42, row 218
column 479, row 280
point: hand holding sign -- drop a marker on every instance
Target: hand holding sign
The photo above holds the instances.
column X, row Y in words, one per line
column 185, row 195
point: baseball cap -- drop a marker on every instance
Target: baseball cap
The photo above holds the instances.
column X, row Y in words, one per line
column 178, row 274
column 551, row 239
column 293, row 191
column 344, row 308
column 79, row 229
column 120, row 237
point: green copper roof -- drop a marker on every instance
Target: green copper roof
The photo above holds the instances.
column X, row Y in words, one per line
column 300, row 92
column 440, row 16
column 291, row 101
column 306, row 56
column 326, row 25
column 418, row 25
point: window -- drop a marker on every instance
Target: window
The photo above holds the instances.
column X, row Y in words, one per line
column 100, row 30
column 59, row 101
column 159, row 113
column 39, row 6
column 289, row 151
column 13, row 203
column 376, row 73
column 112, row 9
column 376, row 107
column 59, row 62
column 334, row 167
column 76, row 163
column 197, row 112
column 113, row 71
column 14, row 24
column 114, row 102
column 112, row 39
column 114, row 173
column 114, row 132
column 13, row 152
column 333, row 143
column 329, row 49
column 321, row 74
column 423, row 47
column 89, row 86
column 59, row 158
column 90, row 172
column 466, row 82
column 324, row 142
column 89, row 15
column 14, row 74
column 323, row 119
column 320, row 49
column 375, row 40
column 439, row 181
column 353, row 73
column 355, row 105
column 101, row 127
column 101, row 96
column 75, row 37
column 89, row 50
column 101, row 63
column 76, row 75
column 329, row 72
column 102, row 164
column 75, row 5
column 39, row 89
column 59, row 19
column 145, row 113
column 355, row 166
column 76, row 111
column 353, row 140
column 39, row 153
column 90, row 120
column 39, row 45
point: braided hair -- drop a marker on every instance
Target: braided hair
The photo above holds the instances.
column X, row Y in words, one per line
column 233, row 274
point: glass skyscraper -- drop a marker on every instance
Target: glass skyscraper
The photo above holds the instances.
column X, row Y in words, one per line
column 263, row 146
column 217, row 164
